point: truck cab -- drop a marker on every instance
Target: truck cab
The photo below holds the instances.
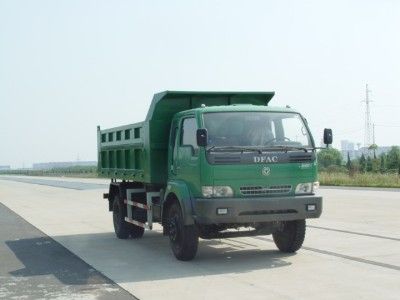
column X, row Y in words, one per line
column 231, row 166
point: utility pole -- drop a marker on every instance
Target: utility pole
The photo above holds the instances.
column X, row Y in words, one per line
column 367, row 128
column 373, row 134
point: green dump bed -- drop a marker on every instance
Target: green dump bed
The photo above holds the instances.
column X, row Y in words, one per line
column 139, row 151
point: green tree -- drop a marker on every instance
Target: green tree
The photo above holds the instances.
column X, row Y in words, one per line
column 363, row 163
column 376, row 163
column 369, row 164
column 382, row 168
column 355, row 166
column 393, row 158
column 348, row 164
column 328, row 157
column 373, row 147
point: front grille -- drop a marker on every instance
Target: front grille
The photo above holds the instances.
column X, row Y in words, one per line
column 301, row 158
column 227, row 159
column 271, row 190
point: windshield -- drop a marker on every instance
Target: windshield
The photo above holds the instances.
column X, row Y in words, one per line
column 261, row 129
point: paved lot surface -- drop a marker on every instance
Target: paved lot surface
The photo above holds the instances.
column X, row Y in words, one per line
column 353, row 251
column 34, row 266
column 75, row 185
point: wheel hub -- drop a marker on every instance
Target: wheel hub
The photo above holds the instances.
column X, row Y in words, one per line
column 173, row 229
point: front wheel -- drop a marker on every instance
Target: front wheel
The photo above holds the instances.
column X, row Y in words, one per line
column 290, row 237
column 183, row 239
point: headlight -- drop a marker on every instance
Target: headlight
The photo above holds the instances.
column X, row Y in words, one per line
column 207, row 191
column 216, row 191
column 307, row 188
column 223, row 191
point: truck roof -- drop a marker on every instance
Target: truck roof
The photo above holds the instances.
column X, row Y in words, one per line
column 165, row 104
column 242, row 107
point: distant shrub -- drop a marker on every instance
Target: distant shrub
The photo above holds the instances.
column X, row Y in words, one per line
column 360, row 179
column 328, row 157
column 336, row 169
column 74, row 171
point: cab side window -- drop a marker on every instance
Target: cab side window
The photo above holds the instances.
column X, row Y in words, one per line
column 188, row 133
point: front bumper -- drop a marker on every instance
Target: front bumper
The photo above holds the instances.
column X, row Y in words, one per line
column 257, row 209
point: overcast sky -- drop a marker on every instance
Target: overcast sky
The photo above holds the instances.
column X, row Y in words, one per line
column 67, row 66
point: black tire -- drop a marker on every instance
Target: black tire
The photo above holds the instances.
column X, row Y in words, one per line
column 183, row 239
column 291, row 237
column 121, row 227
column 140, row 215
column 136, row 232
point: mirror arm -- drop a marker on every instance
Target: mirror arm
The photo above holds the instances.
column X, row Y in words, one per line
column 321, row 148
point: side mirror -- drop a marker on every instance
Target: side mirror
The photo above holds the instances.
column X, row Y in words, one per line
column 328, row 137
column 201, row 136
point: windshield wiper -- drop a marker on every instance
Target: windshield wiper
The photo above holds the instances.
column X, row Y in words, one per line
column 209, row 149
column 258, row 149
column 287, row 148
column 232, row 148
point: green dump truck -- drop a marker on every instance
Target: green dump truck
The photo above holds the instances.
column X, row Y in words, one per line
column 212, row 165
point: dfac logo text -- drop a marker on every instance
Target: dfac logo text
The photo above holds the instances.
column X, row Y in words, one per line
column 265, row 159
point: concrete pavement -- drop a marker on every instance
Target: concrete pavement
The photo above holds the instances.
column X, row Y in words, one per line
column 352, row 251
column 34, row 266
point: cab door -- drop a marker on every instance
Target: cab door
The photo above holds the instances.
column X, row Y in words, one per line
column 187, row 167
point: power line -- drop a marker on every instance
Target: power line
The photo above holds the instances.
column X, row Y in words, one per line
column 341, row 132
column 387, row 125
column 383, row 106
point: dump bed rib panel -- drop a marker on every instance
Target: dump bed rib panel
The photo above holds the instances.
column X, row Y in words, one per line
column 139, row 151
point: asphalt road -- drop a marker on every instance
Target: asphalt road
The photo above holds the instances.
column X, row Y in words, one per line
column 34, row 266
column 352, row 251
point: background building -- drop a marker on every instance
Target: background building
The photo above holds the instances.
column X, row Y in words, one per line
column 347, row 147
column 356, row 152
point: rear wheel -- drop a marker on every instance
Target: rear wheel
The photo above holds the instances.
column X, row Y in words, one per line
column 121, row 227
column 184, row 240
column 136, row 232
column 290, row 237
column 138, row 214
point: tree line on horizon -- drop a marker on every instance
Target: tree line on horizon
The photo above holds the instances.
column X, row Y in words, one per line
column 52, row 171
column 331, row 160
